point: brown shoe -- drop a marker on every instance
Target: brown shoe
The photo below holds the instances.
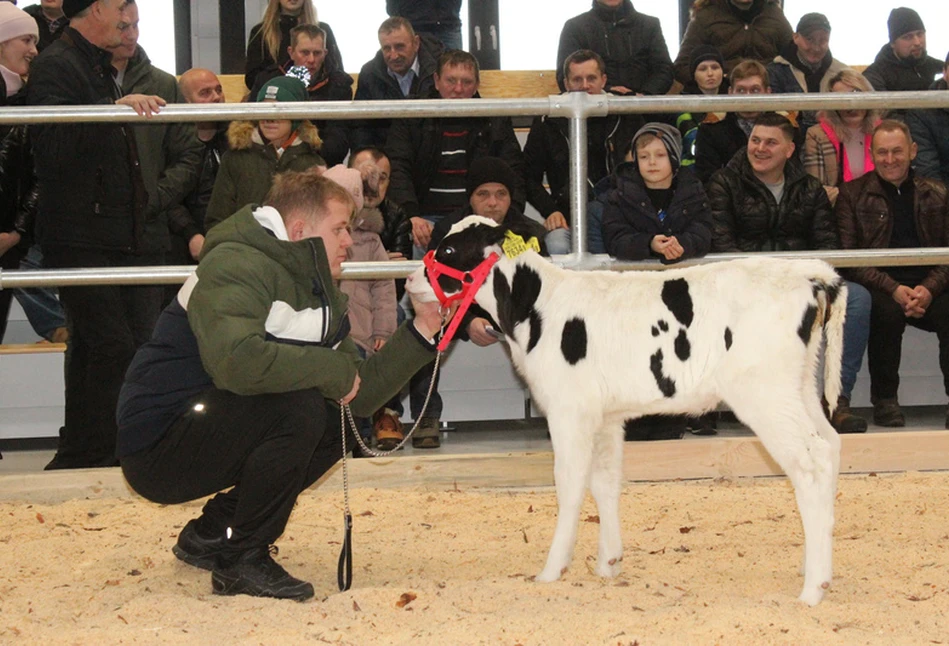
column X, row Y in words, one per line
column 428, row 434
column 886, row 412
column 843, row 419
column 387, row 427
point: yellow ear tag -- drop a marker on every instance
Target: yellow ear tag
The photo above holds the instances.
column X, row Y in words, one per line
column 514, row 245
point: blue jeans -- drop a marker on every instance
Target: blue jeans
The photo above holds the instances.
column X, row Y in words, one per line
column 40, row 304
column 558, row 240
column 449, row 35
column 856, row 335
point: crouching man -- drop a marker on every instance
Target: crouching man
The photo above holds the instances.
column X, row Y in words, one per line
column 237, row 388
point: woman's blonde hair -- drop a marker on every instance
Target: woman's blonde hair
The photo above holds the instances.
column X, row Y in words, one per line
column 857, row 82
column 270, row 35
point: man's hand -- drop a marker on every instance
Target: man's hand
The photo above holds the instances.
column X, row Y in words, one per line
column 144, row 104
column 421, row 232
column 621, row 89
column 907, row 299
column 352, row 393
column 377, row 344
column 556, row 220
column 8, row 241
column 395, row 255
column 195, row 244
column 478, row 334
column 924, row 299
column 428, row 320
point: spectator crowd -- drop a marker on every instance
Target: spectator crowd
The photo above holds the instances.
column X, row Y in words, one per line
column 667, row 187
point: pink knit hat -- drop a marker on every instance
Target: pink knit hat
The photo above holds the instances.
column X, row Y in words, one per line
column 14, row 22
column 348, row 178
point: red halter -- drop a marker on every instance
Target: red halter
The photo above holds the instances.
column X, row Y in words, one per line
column 471, row 282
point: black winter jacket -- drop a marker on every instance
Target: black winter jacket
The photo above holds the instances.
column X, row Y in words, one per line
column 426, row 13
column 48, row 34
column 258, row 58
column 630, row 43
column 17, row 179
column 187, row 219
column 413, row 149
column 746, row 218
column 630, row 221
column 930, row 129
column 716, row 143
column 91, row 192
column 375, row 84
column 888, row 73
column 396, row 236
column 547, row 152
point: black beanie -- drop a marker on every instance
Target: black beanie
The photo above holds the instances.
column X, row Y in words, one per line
column 705, row 53
column 72, row 7
column 490, row 169
column 903, row 20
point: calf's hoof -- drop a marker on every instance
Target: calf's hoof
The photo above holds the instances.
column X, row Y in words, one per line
column 609, row 569
column 813, row 596
column 549, row 575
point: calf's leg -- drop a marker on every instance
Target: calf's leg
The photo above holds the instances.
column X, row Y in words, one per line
column 777, row 413
column 572, row 439
column 606, row 482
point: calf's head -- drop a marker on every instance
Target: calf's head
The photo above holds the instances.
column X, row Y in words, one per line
column 465, row 247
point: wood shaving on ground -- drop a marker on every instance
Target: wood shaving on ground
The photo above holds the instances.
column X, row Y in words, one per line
column 705, row 562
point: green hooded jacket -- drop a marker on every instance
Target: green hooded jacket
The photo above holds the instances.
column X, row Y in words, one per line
column 269, row 318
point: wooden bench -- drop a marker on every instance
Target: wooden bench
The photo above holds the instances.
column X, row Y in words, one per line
column 495, row 84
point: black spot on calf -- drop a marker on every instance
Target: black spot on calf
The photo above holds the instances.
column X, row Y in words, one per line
column 666, row 385
column 573, row 341
column 655, row 331
column 682, row 346
column 675, row 295
column 535, row 330
column 807, row 324
column 663, row 325
column 515, row 303
column 728, row 338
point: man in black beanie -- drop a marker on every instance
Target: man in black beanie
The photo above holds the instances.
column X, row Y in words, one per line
column 490, row 184
column 903, row 64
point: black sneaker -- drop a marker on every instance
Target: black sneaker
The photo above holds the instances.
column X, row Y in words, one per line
column 256, row 574
column 194, row 549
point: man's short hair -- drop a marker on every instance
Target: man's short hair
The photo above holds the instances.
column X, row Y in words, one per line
column 377, row 154
column 395, row 23
column 775, row 120
column 747, row 69
column 892, row 125
column 310, row 31
column 305, row 194
column 582, row 56
column 458, row 58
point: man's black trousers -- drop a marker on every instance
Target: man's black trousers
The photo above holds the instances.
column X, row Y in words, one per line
column 265, row 448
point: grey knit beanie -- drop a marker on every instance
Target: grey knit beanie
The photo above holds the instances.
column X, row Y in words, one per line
column 668, row 135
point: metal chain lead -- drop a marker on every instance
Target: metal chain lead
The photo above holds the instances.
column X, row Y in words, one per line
column 345, row 412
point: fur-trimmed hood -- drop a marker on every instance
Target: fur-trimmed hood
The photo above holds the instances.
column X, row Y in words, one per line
column 242, row 135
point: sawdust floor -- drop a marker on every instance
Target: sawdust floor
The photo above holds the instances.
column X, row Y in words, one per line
column 706, row 562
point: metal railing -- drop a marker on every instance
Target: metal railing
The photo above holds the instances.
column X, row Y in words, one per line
column 576, row 107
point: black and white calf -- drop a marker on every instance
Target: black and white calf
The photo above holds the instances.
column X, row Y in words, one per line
column 598, row 349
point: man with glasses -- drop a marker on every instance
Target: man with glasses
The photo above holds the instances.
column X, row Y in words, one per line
column 721, row 135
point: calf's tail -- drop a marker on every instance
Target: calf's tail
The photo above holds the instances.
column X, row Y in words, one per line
column 833, row 295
